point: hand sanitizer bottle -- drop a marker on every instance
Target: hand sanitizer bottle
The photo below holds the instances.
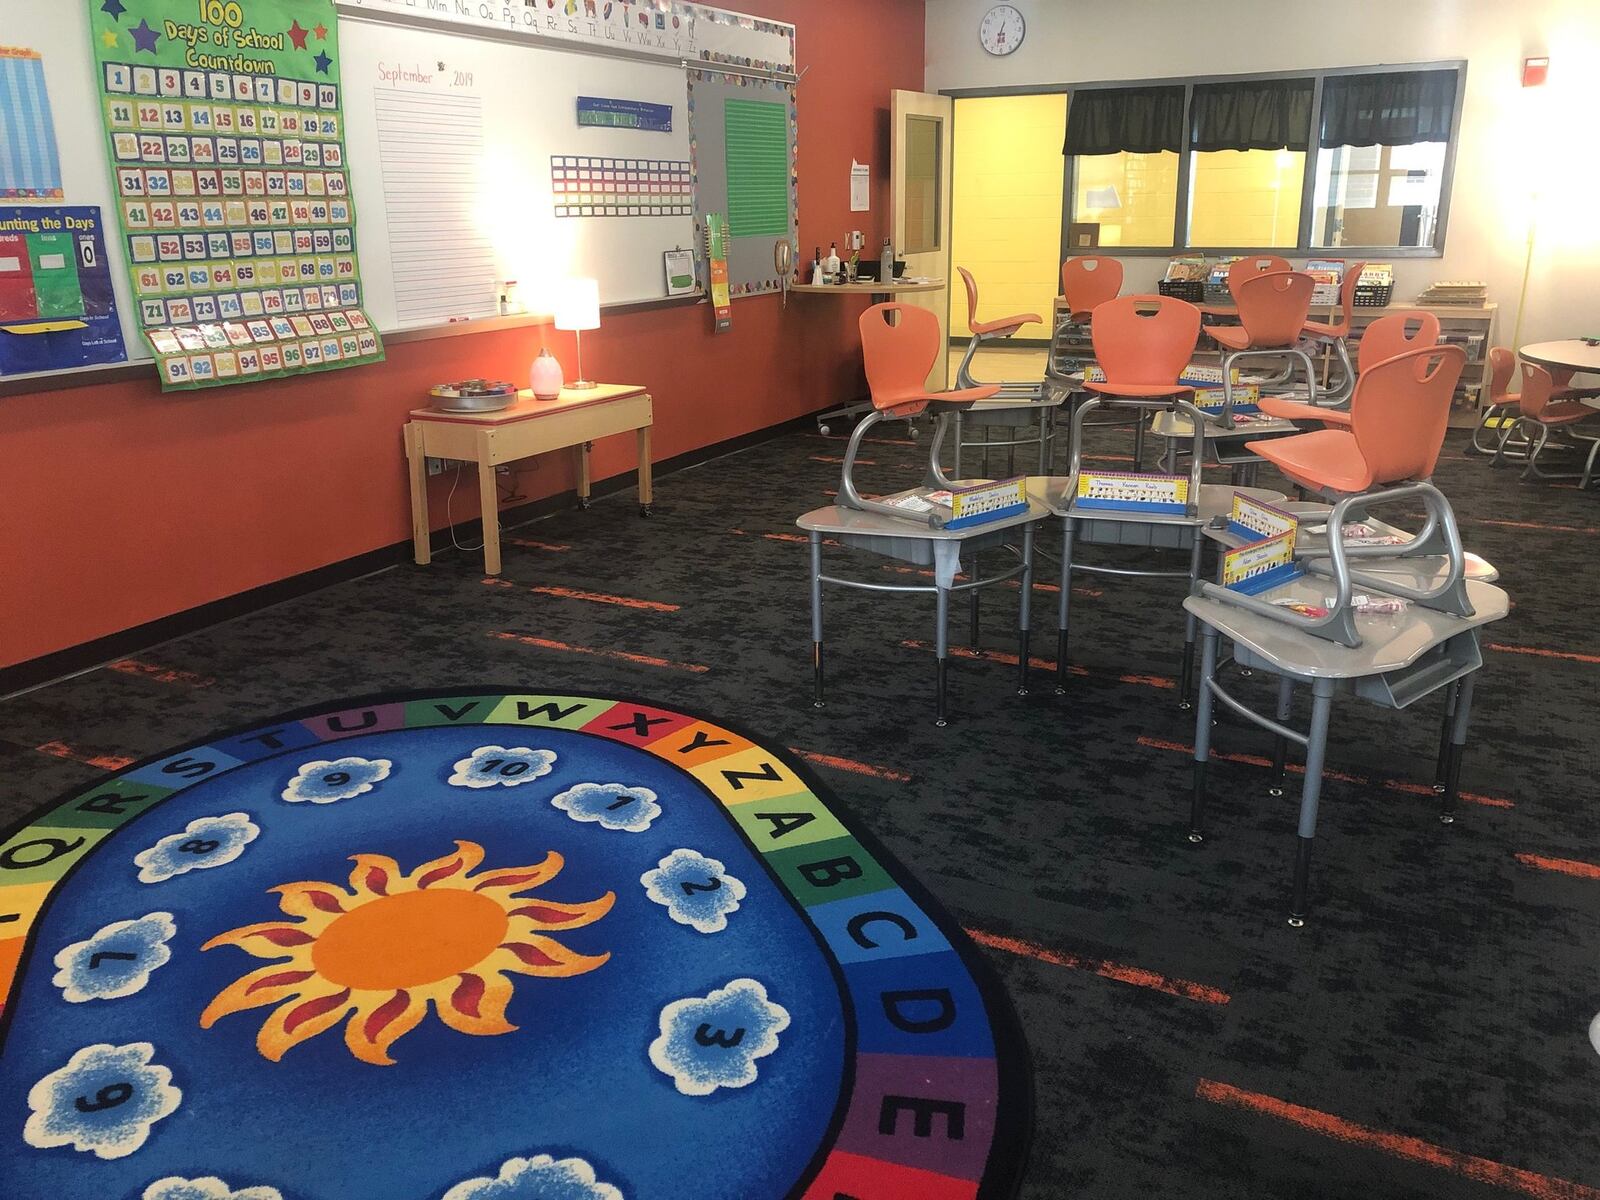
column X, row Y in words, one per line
column 830, row 265
column 886, row 263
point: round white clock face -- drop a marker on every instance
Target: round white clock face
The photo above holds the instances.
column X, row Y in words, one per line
column 1002, row 29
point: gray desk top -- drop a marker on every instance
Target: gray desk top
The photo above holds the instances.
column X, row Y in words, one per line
column 844, row 522
column 1216, row 499
column 1388, row 643
column 1422, row 572
column 1170, row 424
column 1573, row 354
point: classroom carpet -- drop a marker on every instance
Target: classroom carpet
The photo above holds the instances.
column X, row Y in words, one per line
column 1425, row 1035
column 579, row 947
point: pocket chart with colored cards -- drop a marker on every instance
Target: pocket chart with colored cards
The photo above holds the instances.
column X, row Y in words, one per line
column 57, row 307
column 227, row 149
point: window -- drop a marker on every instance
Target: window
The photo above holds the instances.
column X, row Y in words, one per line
column 1380, row 176
column 923, row 173
column 1304, row 162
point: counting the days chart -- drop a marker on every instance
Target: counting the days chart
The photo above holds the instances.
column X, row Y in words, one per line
column 226, row 137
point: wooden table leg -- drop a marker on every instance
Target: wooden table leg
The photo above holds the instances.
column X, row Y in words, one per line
column 583, row 473
column 417, row 463
column 646, row 482
column 489, row 500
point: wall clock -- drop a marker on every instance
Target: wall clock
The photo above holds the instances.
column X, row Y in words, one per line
column 1002, row 29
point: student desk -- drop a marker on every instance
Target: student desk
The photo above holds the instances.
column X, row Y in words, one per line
column 527, row 428
column 1130, row 527
column 1402, row 659
column 1225, row 443
column 1574, row 354
column 912, row 541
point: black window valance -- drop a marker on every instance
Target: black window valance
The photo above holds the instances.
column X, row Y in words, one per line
column 1254, row 114
column 1387, row 110
column 1139, row 120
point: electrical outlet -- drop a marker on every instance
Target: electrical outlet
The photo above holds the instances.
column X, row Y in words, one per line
column 855, row 239
column 436, row 465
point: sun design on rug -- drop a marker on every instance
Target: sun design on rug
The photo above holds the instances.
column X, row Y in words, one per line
column 380, row 951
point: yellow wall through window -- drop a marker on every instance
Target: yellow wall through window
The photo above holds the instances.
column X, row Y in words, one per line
column 1132, row 197
column 1006, row 207
column 1245, row 198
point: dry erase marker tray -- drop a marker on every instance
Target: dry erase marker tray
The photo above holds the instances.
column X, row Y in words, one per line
column 474, row 395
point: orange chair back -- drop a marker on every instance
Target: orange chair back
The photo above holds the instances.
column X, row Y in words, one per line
column 972, row 297
column 1273, row 306
column 1400, row 410
column 1387, row 337
column 1538, row 385
column 1252, row 265
column 1089, row 280
column 1502, row 366
column 1145, row 340
column 898, row 357
column 1347, row 296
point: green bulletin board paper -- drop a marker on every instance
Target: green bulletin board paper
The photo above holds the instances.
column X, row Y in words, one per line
column 226, row 135
column 756, row 133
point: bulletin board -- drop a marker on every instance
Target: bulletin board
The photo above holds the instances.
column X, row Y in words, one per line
column 744, row 131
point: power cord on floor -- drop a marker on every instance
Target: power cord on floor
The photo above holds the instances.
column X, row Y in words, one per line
column 511, row 496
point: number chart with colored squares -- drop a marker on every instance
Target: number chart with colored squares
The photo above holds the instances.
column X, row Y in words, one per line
column 225, row 130
column 57, row 307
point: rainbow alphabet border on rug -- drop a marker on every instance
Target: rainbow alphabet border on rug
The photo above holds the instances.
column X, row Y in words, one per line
column 486, row 946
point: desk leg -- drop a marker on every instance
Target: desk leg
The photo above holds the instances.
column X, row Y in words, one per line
column 489, row 501
column 646, row 482
column 1310, row 793
column 942, row 646
column 956, row 472
column 1024, row 609
column 1280, row 744
column 1458, row 743
column 583, row 473
column 1186, row 677
column 972, row 605
column 1442, row 764
column 816, row 617
column 417, row 463
column 1202, row 735
column 1067, row 531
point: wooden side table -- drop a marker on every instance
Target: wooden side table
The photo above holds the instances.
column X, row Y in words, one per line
column 528, row 427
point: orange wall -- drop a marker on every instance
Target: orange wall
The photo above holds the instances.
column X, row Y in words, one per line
column 125, row 505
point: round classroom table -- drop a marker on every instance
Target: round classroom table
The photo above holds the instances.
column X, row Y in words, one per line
column 1574, row 354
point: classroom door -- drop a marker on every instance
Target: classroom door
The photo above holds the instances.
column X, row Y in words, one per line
column 919, row 203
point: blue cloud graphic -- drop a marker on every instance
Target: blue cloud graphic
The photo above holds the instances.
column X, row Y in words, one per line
column 539, row 1178
column 327, row 780
column 207, row 1187
column 116, row 961
column 204, row 842
column 502, row 766
column 104, row 1101
column 713, row 1041
column 694, row 889
column 614, row 805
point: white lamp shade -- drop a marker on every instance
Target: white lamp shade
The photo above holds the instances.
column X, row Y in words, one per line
column 578, row 304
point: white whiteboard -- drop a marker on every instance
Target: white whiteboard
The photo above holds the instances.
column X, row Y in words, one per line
column 526, row 99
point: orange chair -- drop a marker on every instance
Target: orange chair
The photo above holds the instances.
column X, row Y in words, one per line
column 898, row 357
column 1383, row 339
column 988, row 331
column 1273, row 308
column 1398, row 417
column 1087, row 281
column 1503, row 407
column 1143, row 343
column 1335, row 333
column 1250, row 266
column 1543, row 414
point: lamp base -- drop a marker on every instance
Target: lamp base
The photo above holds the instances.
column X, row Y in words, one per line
column 582, row 385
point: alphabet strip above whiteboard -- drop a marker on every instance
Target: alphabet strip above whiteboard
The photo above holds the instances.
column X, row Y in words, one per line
column 665, row 29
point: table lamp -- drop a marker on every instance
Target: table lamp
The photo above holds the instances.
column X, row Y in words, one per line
column 577, row 309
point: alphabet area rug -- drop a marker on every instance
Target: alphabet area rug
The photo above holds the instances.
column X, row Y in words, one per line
column 488, row 945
